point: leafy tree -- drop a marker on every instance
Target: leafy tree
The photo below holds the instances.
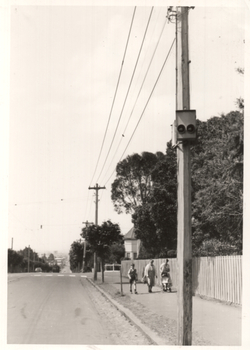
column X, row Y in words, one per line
column 14, row 260
column 101, row 238
column 132, row 185
column 214, row 247
column 145, row 231
column 76, row 256
column 25, row 252
column 217, row 174
column 217, row 192
column 29, row 255
column 155, row 221
column 51, row 257
column 240, row 101
column 144, row 253
column 116, row 253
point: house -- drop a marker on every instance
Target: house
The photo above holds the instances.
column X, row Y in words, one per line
column 132, row 245
column 60, row 261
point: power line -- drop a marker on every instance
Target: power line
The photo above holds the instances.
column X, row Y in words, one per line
column 21, row 222
column 40, row 226
column 149, row 97
column 55, row 201
column 145, row 106
column 138, row 56
column 152, row 57
column 117, row 85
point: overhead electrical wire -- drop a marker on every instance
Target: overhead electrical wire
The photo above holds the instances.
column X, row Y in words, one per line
column 151, row 60
column 117, row 85
column 145, row 106
column 131, row 80
column 21, row 222
column 55, row 201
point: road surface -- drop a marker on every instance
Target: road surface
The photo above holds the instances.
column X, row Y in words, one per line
column 47, row 308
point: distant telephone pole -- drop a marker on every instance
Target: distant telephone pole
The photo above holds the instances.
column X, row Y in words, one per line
column 96, row 188
column 85, row 245
column 28, row 258
column 87, row 223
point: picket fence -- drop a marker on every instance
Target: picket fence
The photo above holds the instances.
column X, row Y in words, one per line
column 217, row 277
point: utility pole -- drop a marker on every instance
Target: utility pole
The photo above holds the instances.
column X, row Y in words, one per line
column 96, row 188
column 85, row 245
column 185, row 131
column 12, row 243
column 34, row 260
column 28, row 258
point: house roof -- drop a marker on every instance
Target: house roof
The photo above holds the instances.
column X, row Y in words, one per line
column 130, row 234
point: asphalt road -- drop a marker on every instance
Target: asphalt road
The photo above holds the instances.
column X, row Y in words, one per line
column 48, row 308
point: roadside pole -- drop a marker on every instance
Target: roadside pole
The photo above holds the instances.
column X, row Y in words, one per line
column 85, row 245
column 28, row 258
column 96, row 188
column 185, row 122
column 121, row 281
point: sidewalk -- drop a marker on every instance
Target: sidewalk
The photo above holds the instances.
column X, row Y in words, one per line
column 214, row 321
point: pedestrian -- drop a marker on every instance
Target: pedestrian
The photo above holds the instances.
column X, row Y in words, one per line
column 150, row 275
column 132, row 275
column 165, row 273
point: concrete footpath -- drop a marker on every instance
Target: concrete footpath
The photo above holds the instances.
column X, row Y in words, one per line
column 214, row 321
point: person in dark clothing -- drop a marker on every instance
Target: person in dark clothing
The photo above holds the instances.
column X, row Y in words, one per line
column 132, row 275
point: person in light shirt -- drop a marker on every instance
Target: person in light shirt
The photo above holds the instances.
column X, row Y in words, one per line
column 150, row 275
column 165, row 272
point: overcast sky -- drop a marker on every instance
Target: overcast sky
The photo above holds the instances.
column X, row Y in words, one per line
column 65, row 63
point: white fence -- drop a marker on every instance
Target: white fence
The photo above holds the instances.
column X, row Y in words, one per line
column 214, row 277
column 112, row 267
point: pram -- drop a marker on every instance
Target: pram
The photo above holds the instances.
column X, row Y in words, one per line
column 166, row 282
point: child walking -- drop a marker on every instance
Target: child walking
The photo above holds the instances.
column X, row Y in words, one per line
column 132, row 275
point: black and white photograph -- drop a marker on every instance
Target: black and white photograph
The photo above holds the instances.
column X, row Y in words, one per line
column 124, row 173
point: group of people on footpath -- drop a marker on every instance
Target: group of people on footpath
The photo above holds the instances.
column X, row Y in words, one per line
column 149, row 276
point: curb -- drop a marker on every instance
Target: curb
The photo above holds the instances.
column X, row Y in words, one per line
column 154, row 338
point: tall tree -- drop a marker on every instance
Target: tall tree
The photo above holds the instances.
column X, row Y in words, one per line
column 217, row 174
column 217, row 193
column 116, row 253
column 14, row 260
column 76, row 256
column 155, row 221
column 132, row 185
column 101, row 238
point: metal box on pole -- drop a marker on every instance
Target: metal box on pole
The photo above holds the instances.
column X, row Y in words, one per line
column 186, row 125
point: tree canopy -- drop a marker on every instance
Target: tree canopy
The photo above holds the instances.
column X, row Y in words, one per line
column 26, row 260
column 155, row 221
column 132, row 185
column 101, row 238
column 149, row 192
column 76, row 256
column 217, row 177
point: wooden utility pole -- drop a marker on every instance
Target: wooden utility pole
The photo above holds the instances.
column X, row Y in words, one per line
column 34, row 260
column 28, row 258
column 85, row 245
column 184, row 246
column 96, row 188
